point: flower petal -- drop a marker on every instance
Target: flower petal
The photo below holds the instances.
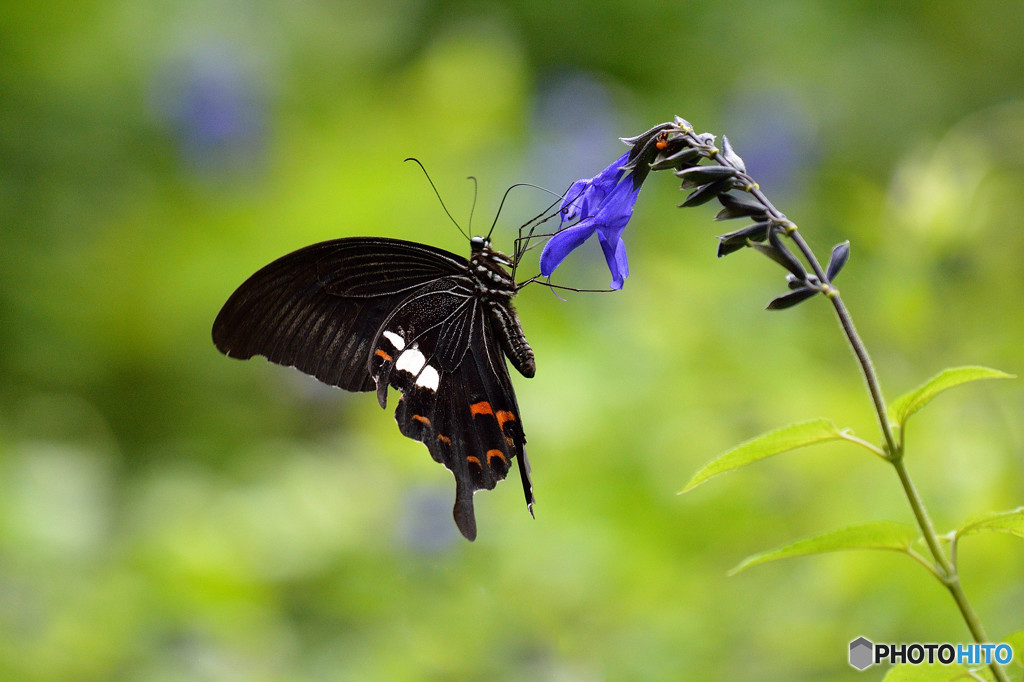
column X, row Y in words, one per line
column 605, row 204
column 559, row 246
column 575, row 200
column 616, row 209
column 611, row 175
column 615, row 255
column 585, row 196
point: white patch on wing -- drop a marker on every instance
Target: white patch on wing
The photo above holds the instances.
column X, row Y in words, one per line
column 428, row 378
column 396, row 340
column 411, row 361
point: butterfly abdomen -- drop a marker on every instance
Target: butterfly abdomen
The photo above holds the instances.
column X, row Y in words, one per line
column 513, row 340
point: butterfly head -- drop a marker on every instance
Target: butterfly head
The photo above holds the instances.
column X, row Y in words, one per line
column 479, row 244
column 481, row 247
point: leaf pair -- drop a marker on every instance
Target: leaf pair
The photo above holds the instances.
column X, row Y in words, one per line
column 887, row 535
column 824, row 430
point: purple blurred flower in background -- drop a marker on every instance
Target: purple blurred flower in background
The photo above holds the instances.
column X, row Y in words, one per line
column 212, row 100
column 603, row 204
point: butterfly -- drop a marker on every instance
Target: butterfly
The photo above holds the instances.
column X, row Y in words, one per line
column 368, row 313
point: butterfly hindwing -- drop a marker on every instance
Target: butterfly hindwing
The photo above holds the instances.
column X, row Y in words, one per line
column 482, row 446
column 457, row 396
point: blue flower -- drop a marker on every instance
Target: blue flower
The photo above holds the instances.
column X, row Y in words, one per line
column 604, row 204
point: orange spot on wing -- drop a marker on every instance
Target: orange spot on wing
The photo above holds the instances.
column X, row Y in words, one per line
column 511, row 442
column 474, row 460
column 381, row 353
column 504, row 416
column 444, row 439
column 421, row 418
column 482, row 407
column 491, row 454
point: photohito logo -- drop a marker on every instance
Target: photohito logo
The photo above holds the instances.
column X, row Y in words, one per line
column 865, row 653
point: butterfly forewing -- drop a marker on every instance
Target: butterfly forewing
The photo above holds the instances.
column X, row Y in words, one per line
column 362, row 313
column 367, row 266
column 318, row 308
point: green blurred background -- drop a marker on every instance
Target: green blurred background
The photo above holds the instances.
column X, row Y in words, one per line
column 167, row 513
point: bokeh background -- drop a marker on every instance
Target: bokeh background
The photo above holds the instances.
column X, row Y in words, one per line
column 167, row 513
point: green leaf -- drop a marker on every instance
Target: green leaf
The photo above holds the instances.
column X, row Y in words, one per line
column 929, row 672
column 1011, row 521
column 1016, row 642
column 909, row 403
column 766, row 445
column 874, row 535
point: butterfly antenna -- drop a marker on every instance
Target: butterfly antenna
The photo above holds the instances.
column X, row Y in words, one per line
column 518, row 252
column 472, row 206
column 509, row 190
column 438, row 194
column 543, row 218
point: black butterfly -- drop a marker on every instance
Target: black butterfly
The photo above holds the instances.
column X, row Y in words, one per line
column 366, row 313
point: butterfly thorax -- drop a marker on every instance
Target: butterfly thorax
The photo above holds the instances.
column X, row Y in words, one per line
column 495, row 288
column 487, row 267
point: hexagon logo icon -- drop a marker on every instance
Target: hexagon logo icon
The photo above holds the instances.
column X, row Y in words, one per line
column 861, row 653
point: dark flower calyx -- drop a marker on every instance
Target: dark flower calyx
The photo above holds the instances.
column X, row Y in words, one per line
column 705, row 142
column 706, row 193
column 665, row 142
column 653, row 132
column 730, row 157
column 684, row 157
column 811, row 281
column 700, row 175
column 775, row 250
column 683, row 124
column 802, row 288
column 840, row 254
column 791, row 299
column 740, row 206
column 659, row 142
column 734, row 241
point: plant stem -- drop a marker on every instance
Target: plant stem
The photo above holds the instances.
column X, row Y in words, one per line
column 859, row 350
column 944, row 568
column 946, row 572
